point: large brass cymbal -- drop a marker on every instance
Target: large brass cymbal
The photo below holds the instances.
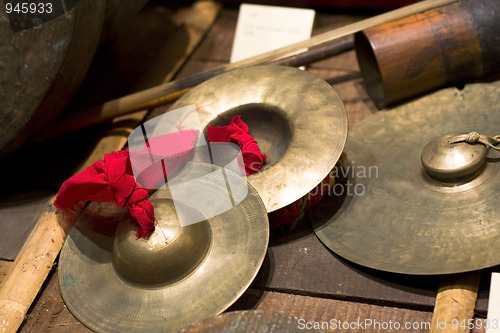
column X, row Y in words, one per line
column 398, row 217
column 298, row 120
column 175, row 277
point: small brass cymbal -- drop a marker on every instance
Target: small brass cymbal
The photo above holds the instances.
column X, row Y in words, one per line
column 448, row 161
column 297, row 119
column 179, row 274
column 414, row 200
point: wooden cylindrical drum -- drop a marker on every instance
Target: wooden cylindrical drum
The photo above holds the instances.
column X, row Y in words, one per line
column 449, row 45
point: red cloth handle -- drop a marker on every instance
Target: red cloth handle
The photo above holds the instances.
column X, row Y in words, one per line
column 109, row 180
column 237, row 131
column 112, row 179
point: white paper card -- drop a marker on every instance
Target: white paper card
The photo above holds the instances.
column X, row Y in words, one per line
column 493, row 319
column 265, row 28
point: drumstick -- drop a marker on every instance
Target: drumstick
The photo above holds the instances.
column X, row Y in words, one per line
column 170, row 91
column 455, row 303
column 109, row 110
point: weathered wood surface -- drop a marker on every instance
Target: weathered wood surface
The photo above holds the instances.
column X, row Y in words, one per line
column 26, row 276
column 298, row 261
column 49, row 314
column 18, row 215
column 300, row 276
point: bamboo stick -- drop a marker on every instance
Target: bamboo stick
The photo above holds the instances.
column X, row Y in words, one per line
column 455, row 303
column 99, row 114
column 32, row 266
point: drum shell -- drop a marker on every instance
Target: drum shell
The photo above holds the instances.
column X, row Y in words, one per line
column 450, row 45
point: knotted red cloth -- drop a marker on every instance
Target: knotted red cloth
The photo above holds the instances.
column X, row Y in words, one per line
column 237, row 132
column 109, row 180
column 112, row 179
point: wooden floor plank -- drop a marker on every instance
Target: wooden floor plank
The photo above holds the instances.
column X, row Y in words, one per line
column 332, row 314
column 50, row 314
column 319, row 271
column 218, row 43
column 303, row 265
column 18, row 216
column 303, row 278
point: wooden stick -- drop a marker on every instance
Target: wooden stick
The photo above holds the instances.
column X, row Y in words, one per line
column 169, row 92
column 455, row 303
column 99, row 114
column 31, row 267
column 323, row 51
column 34, row 262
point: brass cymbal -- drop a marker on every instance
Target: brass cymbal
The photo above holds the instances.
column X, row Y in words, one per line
column 178, row 275
column 297, row 119
column 251, row 321
column 399, row 216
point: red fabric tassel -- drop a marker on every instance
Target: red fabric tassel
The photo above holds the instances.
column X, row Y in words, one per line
column 109, row 180
column 112, row 179
column 237, row 132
